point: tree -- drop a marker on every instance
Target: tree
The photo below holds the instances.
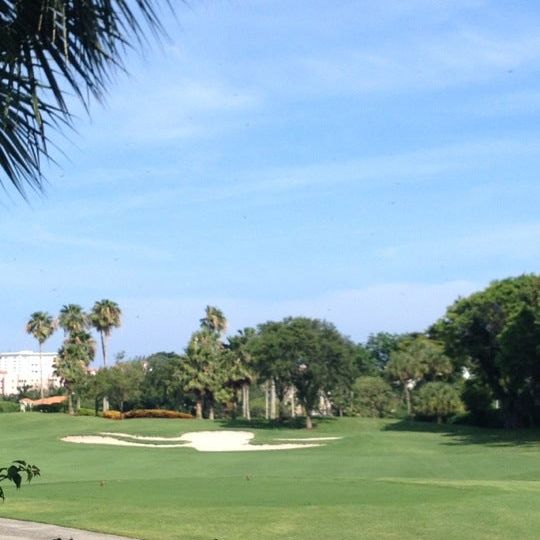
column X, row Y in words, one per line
column 74, row 357
column 309, row 354
column 214, row 320
column 105, row 316
column 381, row 345
column 239, row 366
column 41, row 325
column 50, row 49
column 438, row 399
column 200, row 370
column 72, row 318
column 373, row 396
column 417, row 359
column 161, row 388
column 125, row 381
column 495, row 333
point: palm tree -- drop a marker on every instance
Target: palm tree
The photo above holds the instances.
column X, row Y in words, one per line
column 240, row 366
column 214, row 320
column 200, row 370
column 74, row 357
column 72, row 318
column 50, row 49
column 41, row 325
column 105, row 316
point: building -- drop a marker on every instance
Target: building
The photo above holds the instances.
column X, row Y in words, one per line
column 23, row 368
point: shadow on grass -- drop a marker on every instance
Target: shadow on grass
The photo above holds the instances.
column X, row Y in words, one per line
column 285, row 423
column 463, row 435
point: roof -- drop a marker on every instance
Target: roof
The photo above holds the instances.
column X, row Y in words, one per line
column 53, row 400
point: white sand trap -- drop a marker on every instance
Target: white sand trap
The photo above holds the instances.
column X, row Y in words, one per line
column 312, row 439
column 203, row 441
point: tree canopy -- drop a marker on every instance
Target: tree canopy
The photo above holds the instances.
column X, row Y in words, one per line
column 496, row 334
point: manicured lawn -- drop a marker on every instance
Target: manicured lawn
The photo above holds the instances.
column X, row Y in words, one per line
column 384, row 479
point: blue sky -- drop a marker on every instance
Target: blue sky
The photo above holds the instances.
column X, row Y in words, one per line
column 362, row 162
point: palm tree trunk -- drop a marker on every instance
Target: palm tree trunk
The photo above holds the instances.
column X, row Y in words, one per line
column 272, row 399
column 70, row 402
column 266, row 401
column 104, row 347
column 104, row 352
column 248, row 411
column 40, row 370
column 408, row 400
column 293, row 406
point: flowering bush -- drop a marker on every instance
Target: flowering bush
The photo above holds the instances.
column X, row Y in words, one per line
column 113, row 415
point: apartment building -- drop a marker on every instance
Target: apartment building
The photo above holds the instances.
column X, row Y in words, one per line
column 24, row 368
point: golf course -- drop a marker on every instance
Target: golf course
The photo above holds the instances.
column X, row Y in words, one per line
column 368, row 478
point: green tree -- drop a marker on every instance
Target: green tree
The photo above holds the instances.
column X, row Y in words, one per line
column 308, row 354
column 105, row 316
column 214, row 321
column 201, row 370
column 417, row 359
column 72, row 318
column 51, row 49
column 160, row 387
column 239, row 367
column 438, row 399
column 74, row 357
column 125, row 382
column 380, row 345
column 495, row 333
column 41, row 326
column 373, row 396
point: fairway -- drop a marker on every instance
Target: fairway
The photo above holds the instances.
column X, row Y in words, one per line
column 382, row 479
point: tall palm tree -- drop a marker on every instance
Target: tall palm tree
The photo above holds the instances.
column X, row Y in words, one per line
column 50, row 49
column 105, row 316
column 41, row 325
column 72, row 318
column 214, row 320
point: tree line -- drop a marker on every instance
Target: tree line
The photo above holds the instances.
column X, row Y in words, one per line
column 479, row 362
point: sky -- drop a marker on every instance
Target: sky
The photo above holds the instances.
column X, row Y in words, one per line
column 360, row 162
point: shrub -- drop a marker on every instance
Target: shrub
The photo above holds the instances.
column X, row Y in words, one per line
column 113, row 415
column 85, row 411
column 9, row 406
column 157, row 413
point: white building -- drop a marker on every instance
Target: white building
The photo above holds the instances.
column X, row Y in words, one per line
column 24, row 368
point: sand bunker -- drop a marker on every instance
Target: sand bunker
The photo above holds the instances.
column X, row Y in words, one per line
column 203, row 441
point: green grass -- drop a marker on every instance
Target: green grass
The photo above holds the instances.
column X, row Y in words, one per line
column 383, row 480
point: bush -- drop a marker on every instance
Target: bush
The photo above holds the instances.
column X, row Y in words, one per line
column 113, row 415
column 9, row 406
column 157, row 413
column 85, row 411
column 50, row 408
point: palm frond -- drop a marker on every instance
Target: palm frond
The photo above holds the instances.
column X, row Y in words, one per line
column 49, row 48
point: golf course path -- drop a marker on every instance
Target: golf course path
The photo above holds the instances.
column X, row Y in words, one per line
column 11, row 529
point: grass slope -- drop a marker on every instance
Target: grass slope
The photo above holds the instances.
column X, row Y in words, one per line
column 383, row 480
